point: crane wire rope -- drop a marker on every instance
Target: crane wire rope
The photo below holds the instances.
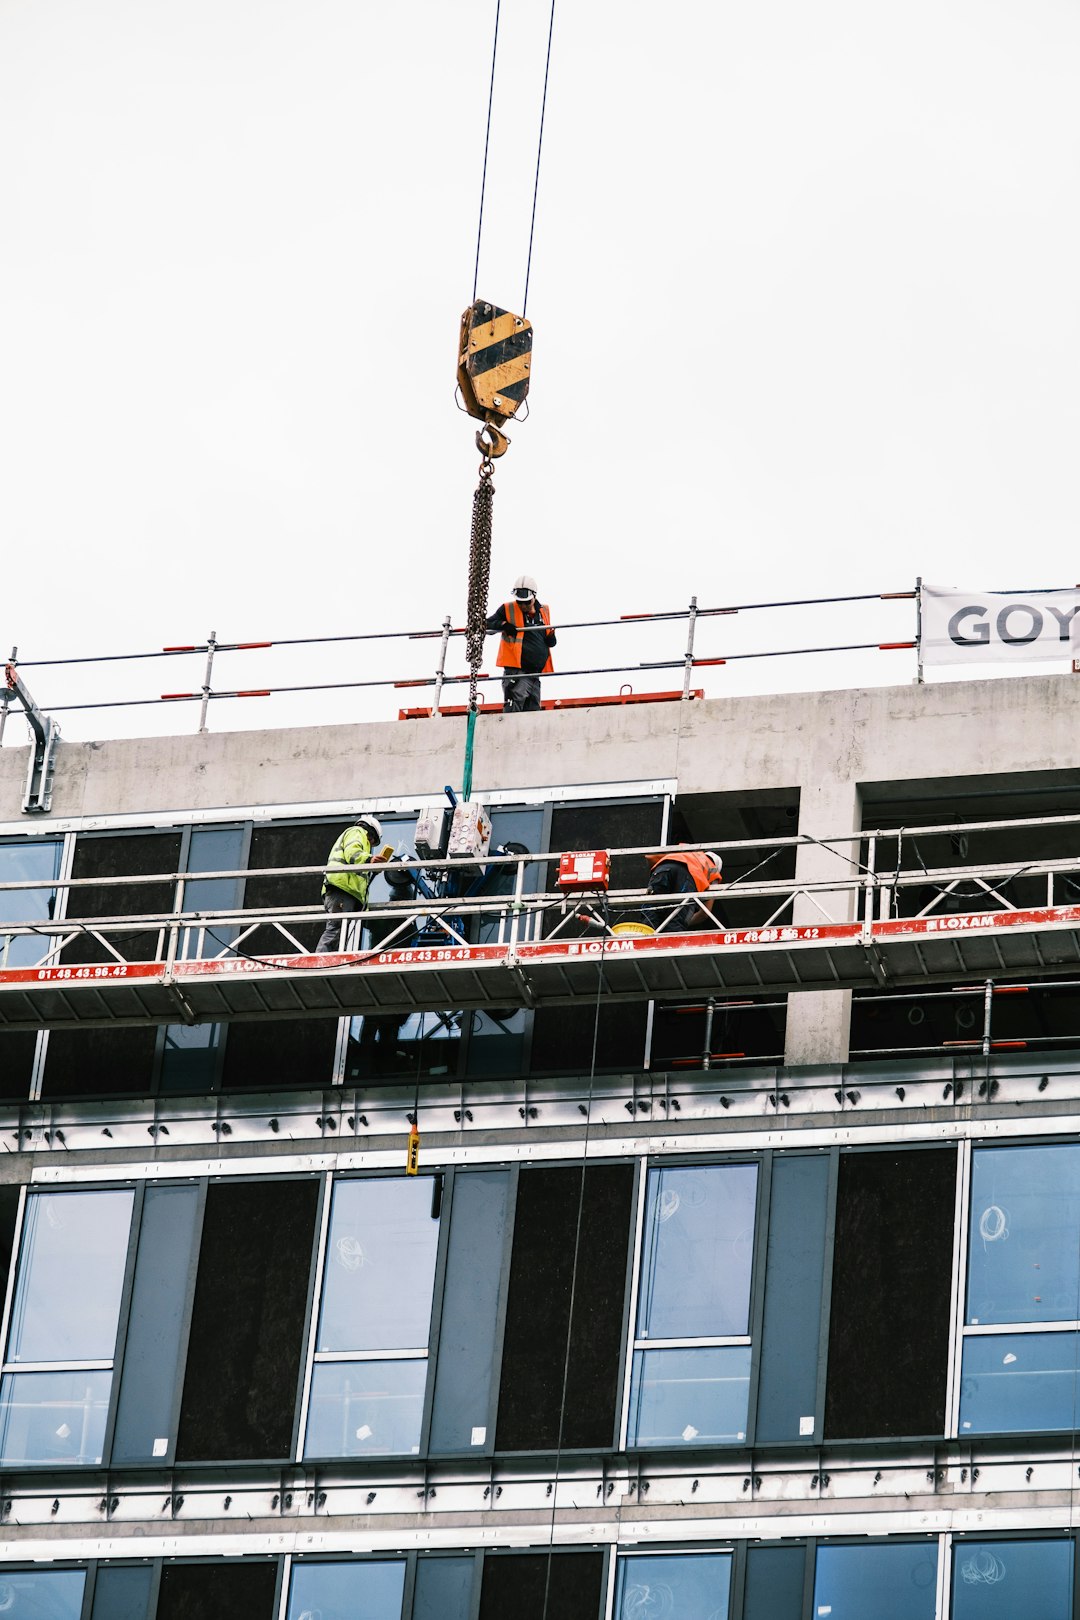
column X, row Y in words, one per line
column 539, row 149
column 487, row 143
column 574, row 1277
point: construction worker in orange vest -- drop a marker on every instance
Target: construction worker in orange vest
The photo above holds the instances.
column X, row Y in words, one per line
column 696, row 872
column 527, row 636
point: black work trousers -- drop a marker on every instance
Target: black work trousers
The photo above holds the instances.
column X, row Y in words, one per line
column 673, row 877
column 521, row 693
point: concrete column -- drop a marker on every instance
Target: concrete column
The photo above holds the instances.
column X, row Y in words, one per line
column 818, row 1021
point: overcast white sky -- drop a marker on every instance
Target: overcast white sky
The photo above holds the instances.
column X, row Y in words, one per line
column 804, row 289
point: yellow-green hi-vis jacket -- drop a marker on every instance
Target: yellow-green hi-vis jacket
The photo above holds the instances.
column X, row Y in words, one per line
column 353, row 848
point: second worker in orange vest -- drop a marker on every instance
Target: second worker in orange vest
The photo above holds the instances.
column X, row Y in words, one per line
column 696, row 872
column 524, row 655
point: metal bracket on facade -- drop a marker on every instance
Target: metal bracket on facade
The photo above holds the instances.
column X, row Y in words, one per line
column 37, row 799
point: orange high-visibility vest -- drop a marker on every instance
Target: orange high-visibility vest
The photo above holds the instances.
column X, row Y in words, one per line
column 697, row 863
column 509, row 656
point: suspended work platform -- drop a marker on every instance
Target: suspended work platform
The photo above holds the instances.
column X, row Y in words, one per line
column 886, row 953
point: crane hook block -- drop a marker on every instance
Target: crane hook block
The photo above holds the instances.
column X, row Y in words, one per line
column 494, row 359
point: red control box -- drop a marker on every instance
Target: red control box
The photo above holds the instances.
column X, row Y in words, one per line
column 584, row 869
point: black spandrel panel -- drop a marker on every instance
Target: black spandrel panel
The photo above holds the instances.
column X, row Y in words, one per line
column 516, row 1584
column 889, row 1324
column 279, row 1054
column 217, row 1591
column 288, row 844
column 535, row 1357
column 17, row 1049
column 247, row 1329
column 119, row 855
column 99, row 1063
column 9, row 1205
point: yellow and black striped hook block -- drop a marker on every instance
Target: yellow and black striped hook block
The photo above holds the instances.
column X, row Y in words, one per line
column 494, row 361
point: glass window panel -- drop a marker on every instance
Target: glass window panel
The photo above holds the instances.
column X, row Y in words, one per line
column 443, row 1589
column 346, row 1591
column 699, row 1248
column 71, row 1275
column 362, row 1408
column 897, row 1581
column 1012, row 1580
column 380, row 1266
column 53, row 1417
column 1023, row 1249
column 1018, row 1383
column 54, row 1594
column 122, row 1592
column 20, row 863
column 689, row 1397
column 692, row 1586
column 213, row 849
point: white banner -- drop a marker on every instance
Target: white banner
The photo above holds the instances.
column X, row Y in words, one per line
column 980, row 627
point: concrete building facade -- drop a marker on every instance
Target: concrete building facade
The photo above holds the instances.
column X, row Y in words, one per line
column 740, row 1279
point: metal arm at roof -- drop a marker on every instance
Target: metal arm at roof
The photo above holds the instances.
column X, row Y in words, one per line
column 37, row 799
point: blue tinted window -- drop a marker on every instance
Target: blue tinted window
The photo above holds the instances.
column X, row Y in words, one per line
column 1012, row 1580
column 53, row 1417
column 364, row 1408
column 443, row 1589
column 380, row 1266
column 71, row 1274
column 21, row 863
column 689, row 1397
column 698, row 1252
column 690, row 1586
column 53, row 1593
column 1024, row 1239
column 897, row 1581
column 347, row 1591
column 1018, row 1383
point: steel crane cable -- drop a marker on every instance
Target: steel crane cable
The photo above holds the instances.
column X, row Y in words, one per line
column 539, row 149
column 487, row 143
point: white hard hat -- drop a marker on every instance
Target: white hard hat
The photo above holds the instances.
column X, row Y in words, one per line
column 372, row 823
column 711, row 855
column 524, row 585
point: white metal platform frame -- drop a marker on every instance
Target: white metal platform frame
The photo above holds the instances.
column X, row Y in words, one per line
column 550, row 948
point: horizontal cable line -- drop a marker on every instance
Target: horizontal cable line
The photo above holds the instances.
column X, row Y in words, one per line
column 436, row 634
column 458, row 680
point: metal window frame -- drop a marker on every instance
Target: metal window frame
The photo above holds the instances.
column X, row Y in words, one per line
column 649, row 1163
column 111, row 1365
column 314, row 1357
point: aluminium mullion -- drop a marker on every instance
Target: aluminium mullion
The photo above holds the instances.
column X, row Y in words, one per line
column 641, row 1192
column 285, row 1581
column 13, row 1269
column 314, row 1307
column 959, row 1288
column 943, row 1594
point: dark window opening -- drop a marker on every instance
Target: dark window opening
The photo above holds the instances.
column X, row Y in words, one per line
column 121, row 855
column 741, row 1031
column 247, row 1329
column 535, row 1586
column 543, row 1350
column 892, row 1277
column 217, row 1591
column 17, row 1051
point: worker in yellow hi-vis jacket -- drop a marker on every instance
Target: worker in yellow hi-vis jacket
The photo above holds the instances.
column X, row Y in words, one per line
column 346, row 884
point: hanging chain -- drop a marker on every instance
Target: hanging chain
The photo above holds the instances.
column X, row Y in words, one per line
column 479, row 573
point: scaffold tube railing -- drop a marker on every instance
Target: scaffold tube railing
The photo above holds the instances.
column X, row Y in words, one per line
column 685, row 659
column 858, row 892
